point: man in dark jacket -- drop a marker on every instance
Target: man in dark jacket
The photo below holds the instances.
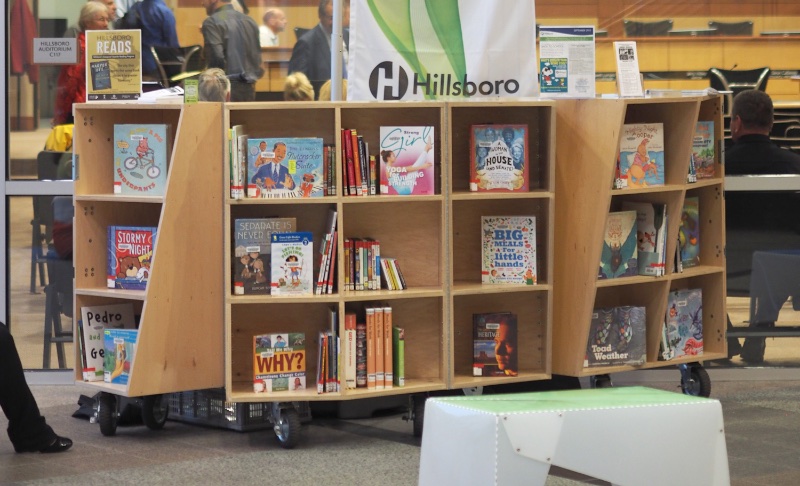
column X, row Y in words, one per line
column 232, row 44
column 312, row 52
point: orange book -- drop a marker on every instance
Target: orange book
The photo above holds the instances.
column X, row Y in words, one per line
column 388, row 368
column 380, row 349
column 350, row 350
column 370, row 348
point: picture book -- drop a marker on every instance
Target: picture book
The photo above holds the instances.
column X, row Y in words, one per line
column 407, row 160
column 252, row 251
column 141, row 154
column 94, row 320
column 509, row 250
column 292, row 263
column 703, row 150
column 619, row 257
column 641, row 155
column 399, row 356
column 285, row 167
column 494, row 344
column 651, row 239
column 498, row 158
column 617, row 337
column 101, row 75
column 120, row 349
column 689, row 232
column 130, row 254
column 684, row 324
column 279, row 362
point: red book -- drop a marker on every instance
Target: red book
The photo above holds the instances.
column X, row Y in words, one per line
column 347, row 142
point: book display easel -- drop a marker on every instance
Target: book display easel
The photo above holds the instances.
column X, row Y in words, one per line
column 179, row 334
column 589, row 132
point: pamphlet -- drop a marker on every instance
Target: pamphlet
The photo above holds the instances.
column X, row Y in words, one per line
column 113, row 65
column 629, row 80
column 566, row 62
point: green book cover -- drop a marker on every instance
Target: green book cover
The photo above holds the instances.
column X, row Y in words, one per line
column 398, row 356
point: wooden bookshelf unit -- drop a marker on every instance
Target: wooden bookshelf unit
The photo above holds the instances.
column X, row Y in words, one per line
column 179, row 344
column 588, row 137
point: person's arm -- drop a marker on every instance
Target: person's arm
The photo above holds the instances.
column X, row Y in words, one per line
column 215, row 54
column 301, row 54
column 168, row 30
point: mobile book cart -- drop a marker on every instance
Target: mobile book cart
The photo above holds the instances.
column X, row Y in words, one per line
column 179, row 345
column 435, row 237
column 588, row 143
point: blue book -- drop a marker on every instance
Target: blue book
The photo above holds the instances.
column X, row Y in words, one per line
column 285, row 167
column 130, row 254
column 120, row 348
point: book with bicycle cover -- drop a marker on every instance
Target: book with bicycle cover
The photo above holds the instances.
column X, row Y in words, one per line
column 141, row 152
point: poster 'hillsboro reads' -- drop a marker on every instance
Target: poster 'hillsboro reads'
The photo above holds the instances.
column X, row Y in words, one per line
column 113, row 65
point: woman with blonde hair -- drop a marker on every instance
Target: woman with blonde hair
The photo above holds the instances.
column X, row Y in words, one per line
column 71, row 85
column 298, row 88
column 325, row 91
column 214, row 85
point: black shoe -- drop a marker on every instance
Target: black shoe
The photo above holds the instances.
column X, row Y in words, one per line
column 59, row 444
column 753, row 350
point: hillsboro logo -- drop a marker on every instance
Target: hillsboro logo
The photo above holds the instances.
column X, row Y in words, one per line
column 392, row 81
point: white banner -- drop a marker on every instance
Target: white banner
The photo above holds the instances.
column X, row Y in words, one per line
column 442, row 49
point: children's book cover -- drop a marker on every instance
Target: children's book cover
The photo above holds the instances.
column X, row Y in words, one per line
column 141, row 153
column 689, row 232
column 292, row 263
column 279, row 362
column 498, row 158
column 252, row 252
column 494, row 344
column 641, row 148
column 407, row 160
column 285, row 167
column 120, row 349
column 684, row 323
column 703, row 150
column 130, row 255
column 619, row 257
column 508, row 250
column 650, row 237
column 94, row 320
column 616, row 337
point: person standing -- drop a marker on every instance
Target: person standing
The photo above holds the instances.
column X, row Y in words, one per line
column 27, row 429
column 311, row 54
column 274, row 23
column 71, row 85
column 157, row 23
column 232, row 44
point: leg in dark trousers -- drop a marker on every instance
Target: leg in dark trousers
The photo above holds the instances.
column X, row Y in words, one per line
column 27, row 428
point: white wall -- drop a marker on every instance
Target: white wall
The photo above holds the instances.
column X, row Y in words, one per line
column 61, row 9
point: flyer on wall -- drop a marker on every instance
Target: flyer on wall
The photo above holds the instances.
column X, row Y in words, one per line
column 566, row 62
column 113, row 65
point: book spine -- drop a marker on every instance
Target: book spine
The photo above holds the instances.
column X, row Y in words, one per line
column 347, row 259
column 373, row 175
column 398, row 356
column 322, row 363
column 356, row 162
column 376, row 265
column 323, row 255
column 370, row 348
column 401, row 282
column 332, row 263
column 351, row 176
column 388, row 355
column 379, row 349
column 332, row 171
column 364, row 157
column 350, row 350
column 356, row 276
column 111, row 275
column 361, row 355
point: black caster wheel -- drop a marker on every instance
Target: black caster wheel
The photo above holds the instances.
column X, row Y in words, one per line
column 418, row 414
column 695, row 381
column 107, row 414
column 287, row 428
column 155, row 409
column 600, row 381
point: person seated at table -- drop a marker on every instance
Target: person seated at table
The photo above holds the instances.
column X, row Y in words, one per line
column 214, row 85
column 71, row 84
column 752, row 151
